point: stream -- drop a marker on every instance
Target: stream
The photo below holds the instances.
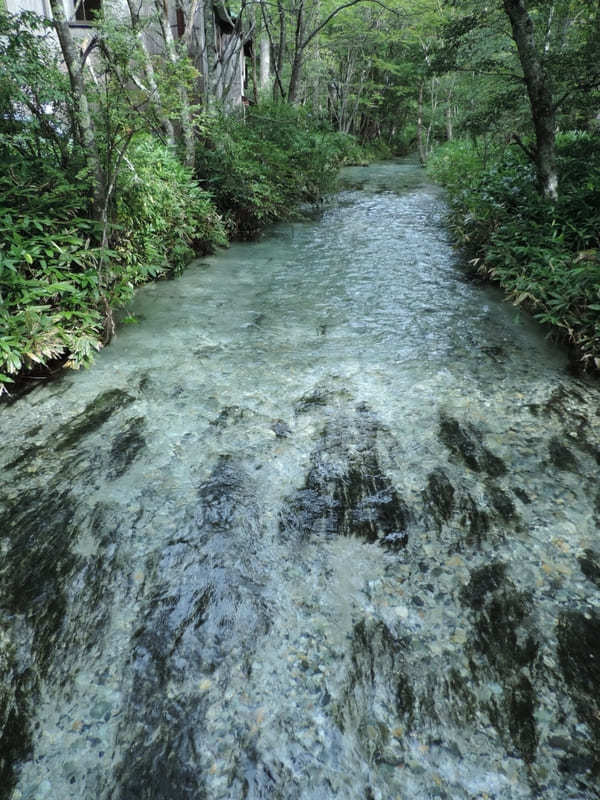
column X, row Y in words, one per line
column 322, row 522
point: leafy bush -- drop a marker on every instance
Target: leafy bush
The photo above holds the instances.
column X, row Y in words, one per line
column 545, row 255
column 163, row 217
column 260, row 168
column 48, row 270
column 57, row 285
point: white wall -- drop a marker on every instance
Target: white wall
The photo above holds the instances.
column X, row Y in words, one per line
column 41, row 7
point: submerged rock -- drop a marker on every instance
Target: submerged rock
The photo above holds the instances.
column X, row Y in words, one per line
column 439, row 496
column 346, row 493
column 589, row 563
column 578, row 635
column 93, row 417
column 126, row 447
column 465, row 443
column 505, row 647
column 561, row 456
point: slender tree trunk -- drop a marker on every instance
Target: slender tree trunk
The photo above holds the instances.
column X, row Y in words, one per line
column 420, row 144
column 298, row 55
column 202, row 45
column 316, row 58
column 155, row 100
column 265, row 62
column 85, row 123
column 449, row 124
column 448, row 115
column 540, row 97
column 254, row 69
column 295, row 77
column 432, row 118
column 185, row 116
column 277, row 87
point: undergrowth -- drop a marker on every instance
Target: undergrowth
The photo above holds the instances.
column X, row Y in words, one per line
column 545, row 255
column 58, row 286
column 260, row 168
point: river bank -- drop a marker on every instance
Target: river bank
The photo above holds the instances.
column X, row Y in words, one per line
column 64, row 275
column 544, row 254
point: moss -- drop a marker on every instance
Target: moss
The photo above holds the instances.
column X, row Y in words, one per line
column 590, row 566
column 483, row 581
column 502, row 638
column 502, row 503
column 33, row 574
column 561, row 456
column 346, row 492
column 476, row 521
column 16, row 742
column 578, row 635
column 521, row 718
column 522, row 495
column 439, row 496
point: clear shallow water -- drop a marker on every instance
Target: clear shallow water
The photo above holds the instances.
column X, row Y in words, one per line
column 323, row 524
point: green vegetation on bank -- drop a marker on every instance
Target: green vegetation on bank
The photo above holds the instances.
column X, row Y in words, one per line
column 258, row 172
column 544, row 253
column 65, row 265
column 59, row 284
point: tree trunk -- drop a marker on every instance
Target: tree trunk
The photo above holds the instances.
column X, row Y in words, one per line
column 448, row 115
column 265, row 62
column 203, row 46
column 295, row 77
column 540, row 97
column 85, row 123
column 155, row 100
column 277, row 87
column 420, row 126
column 254, row 70
column 186, row 120
column 298, row 55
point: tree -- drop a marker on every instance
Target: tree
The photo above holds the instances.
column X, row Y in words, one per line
column 85, row 124
column 540, row 97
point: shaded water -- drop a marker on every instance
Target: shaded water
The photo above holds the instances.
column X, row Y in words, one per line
column 323, row 524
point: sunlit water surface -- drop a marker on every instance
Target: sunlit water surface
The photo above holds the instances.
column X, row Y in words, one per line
column 323, row 524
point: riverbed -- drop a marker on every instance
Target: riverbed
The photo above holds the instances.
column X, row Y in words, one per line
column 322, row 522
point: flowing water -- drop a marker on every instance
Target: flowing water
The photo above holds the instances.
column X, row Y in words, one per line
column 323, row 524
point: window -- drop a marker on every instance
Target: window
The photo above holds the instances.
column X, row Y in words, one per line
column 180, row 22
column 86, row 10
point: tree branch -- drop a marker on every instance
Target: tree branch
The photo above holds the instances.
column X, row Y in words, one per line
column 527, row 150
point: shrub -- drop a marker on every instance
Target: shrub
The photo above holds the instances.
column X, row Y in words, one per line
column 163, row 217
column 545, row 255
column 57, row 285
column 260, row 168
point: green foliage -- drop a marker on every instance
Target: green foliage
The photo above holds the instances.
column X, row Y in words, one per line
column 57, row 284
column 35, row 108
column 164, row 218
column 258, row 169
column 48, row 271
column 545, row 255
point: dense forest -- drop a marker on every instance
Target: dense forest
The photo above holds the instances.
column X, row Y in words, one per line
column 126, row 150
